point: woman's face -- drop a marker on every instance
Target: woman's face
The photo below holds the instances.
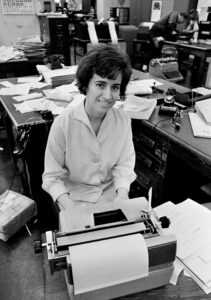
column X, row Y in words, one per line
column 102, row 94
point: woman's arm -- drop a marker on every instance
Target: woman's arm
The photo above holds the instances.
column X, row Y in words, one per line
column 123, row 171
column 55, row 171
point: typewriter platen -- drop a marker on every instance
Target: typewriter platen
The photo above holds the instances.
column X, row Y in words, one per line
column 113, row 222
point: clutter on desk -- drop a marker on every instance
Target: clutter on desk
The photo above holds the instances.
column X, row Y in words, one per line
column 137, row 107
column 58, row 95
column 41, row 104
column 59, row 77
column 27, row 97
column 10, row 53
column 203, row 108
column 30, row 79
column 202, row 90
column 137, row 87
column 191, row 224
column 31, row 46
column 16, row 89
column 6, row 83
column 15, row 211
column 199, row 127
column 201, row 120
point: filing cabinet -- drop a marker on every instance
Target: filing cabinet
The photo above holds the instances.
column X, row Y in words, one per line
column 151, row 160
column 54, row 32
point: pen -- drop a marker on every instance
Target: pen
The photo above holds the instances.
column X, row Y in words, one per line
column 150, row 199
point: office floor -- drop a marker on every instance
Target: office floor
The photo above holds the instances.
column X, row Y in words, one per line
column 19, row 279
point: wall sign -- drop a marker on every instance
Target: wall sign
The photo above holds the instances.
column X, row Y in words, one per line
column 17, row 7
column 156, row 11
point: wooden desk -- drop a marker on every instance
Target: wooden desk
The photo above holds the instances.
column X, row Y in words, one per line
column 200, row 50
column 14, row 68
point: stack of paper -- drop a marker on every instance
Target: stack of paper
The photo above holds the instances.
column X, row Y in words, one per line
column 199, row 126
column 201, row 120
column 10, row 53
column 31, row 46
column 204, row 109
column 191, row 223
column 138, row 107
column 60, row 76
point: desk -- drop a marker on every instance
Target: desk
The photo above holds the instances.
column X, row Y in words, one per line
column 167, row 159
column 27, row 150
column 200, row 50
column 14, row 68
column 17, row 258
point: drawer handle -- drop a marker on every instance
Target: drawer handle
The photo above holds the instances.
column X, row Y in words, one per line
column 144, row 159
column 147, row 140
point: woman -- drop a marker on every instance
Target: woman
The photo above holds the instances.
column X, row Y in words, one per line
column 90, row 155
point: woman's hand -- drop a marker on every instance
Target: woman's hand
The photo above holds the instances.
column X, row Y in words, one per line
column 64, row 201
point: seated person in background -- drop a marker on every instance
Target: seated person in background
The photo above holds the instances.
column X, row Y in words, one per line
column 164, row 29
column 90, row 155
column 193, row 26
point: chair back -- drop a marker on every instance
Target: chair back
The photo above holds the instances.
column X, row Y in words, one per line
column 169, row 51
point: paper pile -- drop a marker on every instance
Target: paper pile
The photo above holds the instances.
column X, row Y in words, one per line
column 138, row 107
column 201, row 120
column 60, row 76
column 31, row 46
column 191, row 224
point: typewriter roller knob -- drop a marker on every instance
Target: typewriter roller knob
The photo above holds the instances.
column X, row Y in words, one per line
column 165, row 222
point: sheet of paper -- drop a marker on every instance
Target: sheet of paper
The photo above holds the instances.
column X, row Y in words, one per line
column 178, row 268
column 191, row 223
column 148, row 82
column 199, row 126
column 38, row 85
column 68, row 88
column 6, row 83
column 109, row 262
column 27, row 97
column 138, row 107
column 199, row 267
column 194, row 237
column 16, row 89
column 29, row 79
column 33, row 105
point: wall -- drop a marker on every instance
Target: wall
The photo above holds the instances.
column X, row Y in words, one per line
column 103, row 7
column 14, row 26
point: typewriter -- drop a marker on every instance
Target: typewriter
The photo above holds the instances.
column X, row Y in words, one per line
column 111, row 225
column 166, row 68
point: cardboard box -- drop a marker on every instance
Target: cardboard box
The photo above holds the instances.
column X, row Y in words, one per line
column 15, row 211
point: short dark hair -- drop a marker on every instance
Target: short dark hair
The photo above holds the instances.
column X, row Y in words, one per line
column 106, row 61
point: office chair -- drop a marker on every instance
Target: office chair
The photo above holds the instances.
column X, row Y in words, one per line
column 169, row 52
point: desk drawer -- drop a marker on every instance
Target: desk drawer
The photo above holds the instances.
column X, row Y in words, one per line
column 146, row 179
column 145, row 138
